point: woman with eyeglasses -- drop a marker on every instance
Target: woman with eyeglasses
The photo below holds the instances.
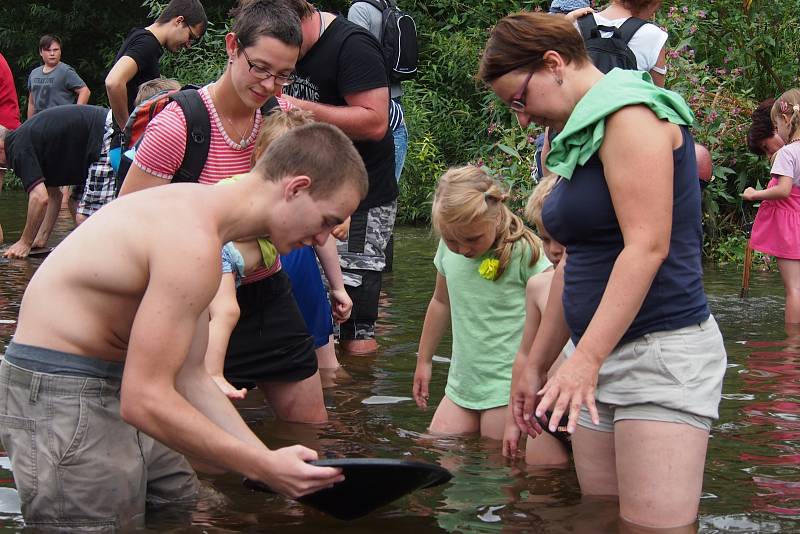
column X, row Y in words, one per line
column 270, row 346
column 643, row 385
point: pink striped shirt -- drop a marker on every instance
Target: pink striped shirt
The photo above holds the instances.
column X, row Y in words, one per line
column 164, row 144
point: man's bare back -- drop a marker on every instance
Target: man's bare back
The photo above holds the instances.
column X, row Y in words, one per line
column 84, row 297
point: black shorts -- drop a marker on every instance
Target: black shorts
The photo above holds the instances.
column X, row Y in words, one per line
column 270, row 343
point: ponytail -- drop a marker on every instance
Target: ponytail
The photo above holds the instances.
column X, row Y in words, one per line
column 467, row 194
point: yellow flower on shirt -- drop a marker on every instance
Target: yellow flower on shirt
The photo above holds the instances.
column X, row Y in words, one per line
column 488, row 268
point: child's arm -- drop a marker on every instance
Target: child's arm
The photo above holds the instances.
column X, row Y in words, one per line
column 551, row 337
column 436, row 320
column 535, row 293
column 780, row 190
column 224, row 312
column 341, row 304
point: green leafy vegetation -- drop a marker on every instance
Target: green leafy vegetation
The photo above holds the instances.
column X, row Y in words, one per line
column 724, row 58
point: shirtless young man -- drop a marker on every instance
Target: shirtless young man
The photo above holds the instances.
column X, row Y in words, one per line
column 112, row 330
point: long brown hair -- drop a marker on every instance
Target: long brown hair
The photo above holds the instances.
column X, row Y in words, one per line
column 468, row 194
column 520, row 41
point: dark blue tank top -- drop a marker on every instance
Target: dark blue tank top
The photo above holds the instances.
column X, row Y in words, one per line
column 579, row 214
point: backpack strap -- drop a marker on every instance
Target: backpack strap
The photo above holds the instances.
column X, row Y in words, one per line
column 586, row 24
column 198, row 135
column 630, row 27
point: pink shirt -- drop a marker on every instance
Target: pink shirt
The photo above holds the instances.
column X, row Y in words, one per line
column 164, row 144
column 787, row 163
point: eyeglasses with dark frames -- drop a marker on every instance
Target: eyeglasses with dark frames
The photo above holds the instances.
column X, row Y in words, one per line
column 517, row 103
column 263, row 74
column 193, row 39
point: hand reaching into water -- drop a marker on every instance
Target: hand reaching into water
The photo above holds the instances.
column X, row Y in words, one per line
column 511, row 436
column 422, row 378
column 573, row 385
column 524, row 399
column 341, row 305
column 20, row 249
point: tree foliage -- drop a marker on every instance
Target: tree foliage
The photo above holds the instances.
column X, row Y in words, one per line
column 725, row 56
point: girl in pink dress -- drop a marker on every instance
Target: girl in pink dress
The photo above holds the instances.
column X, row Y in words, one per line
column 776, row 230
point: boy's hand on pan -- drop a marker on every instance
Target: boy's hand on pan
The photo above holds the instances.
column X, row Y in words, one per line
column 288, row 473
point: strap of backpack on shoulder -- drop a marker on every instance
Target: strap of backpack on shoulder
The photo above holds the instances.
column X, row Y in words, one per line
column 586, row 24
column 198, row 135
column 630, row 27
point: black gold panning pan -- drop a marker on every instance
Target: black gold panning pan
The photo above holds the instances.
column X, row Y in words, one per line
column 369, row 483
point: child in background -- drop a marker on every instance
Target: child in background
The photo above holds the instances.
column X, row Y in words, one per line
column 485, row 257
column 776, row 229
column 762, row 139
column 301, row 264
column 547, row 448
column 239, row 259
column 242, row 258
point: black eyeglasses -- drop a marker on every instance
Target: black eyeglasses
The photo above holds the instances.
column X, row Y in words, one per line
column 192, row 37
column 263, row 74
column 518, row 100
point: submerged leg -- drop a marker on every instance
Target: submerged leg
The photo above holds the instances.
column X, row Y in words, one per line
column 451, row 418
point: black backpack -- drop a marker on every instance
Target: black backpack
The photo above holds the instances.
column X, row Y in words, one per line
column 198, row 136
column 399, row 40
column 609, row 52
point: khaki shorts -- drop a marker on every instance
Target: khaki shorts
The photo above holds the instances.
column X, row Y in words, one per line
column 673, row 376
column 77, row 465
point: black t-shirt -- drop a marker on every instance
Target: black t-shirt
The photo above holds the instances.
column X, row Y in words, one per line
column 143, row 47
column 347, row 59
column 56, row 145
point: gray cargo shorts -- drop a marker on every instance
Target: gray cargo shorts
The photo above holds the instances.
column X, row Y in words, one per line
column 77, row 465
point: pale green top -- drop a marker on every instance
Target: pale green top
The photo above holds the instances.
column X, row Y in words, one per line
column 487, row 319
column 583, row 134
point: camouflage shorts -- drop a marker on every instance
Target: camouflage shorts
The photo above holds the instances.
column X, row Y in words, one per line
column 365, row 248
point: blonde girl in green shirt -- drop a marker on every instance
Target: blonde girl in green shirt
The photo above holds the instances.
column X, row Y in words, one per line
column 485, row 257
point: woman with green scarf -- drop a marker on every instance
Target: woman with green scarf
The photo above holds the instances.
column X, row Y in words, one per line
column 643, row 385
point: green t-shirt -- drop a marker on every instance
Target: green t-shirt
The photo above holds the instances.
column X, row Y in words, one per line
column 487, row 318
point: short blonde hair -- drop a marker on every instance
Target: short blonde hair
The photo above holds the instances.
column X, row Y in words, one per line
column 320, row 151
column 277, row 123
column 468, row 194
column 533, row 209
column 152, row 87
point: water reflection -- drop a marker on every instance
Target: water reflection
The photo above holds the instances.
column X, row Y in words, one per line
column 752, row 481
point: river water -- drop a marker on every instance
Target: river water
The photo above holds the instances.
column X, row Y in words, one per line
column 752, row 479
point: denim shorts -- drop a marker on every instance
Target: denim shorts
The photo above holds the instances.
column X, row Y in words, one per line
column 78, row 467
column 673, row 376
